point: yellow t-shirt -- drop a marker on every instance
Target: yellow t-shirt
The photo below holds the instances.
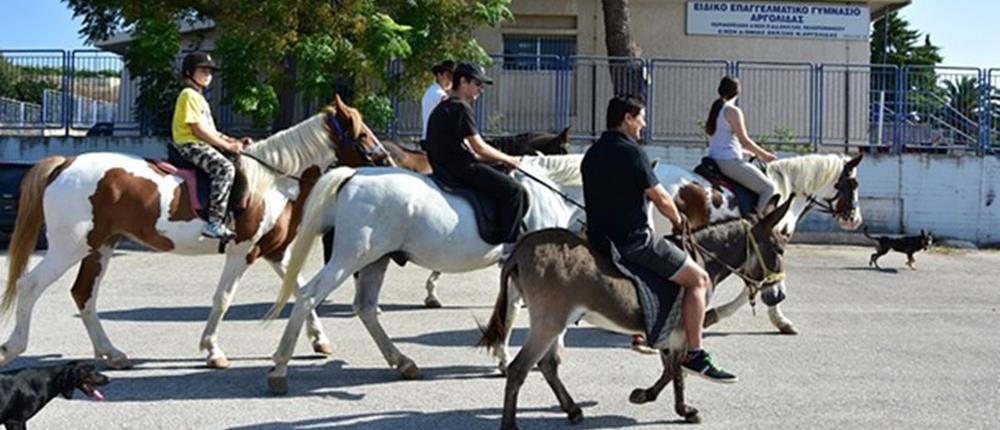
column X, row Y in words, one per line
column 191, row 108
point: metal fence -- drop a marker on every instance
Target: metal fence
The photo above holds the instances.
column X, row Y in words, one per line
column 883, row 107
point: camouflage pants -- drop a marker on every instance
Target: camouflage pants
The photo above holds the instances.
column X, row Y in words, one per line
column 218, row 167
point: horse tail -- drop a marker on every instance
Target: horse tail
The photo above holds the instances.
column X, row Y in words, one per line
column 30, row 216
column 866, row 233
column 496, row 329
column 310, row 229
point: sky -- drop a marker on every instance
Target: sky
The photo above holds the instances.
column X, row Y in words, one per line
column 49, row 24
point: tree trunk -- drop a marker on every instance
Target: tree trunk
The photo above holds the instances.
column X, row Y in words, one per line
column 627, row 76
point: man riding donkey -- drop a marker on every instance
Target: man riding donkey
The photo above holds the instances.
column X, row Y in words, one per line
column 459, row 155
column 196, row 140
column 617, row 215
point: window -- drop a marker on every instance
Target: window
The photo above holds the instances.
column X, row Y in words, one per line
column 536, row 52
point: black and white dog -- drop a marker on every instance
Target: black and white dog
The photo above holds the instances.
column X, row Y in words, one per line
column 24, row 392
column 908, row 245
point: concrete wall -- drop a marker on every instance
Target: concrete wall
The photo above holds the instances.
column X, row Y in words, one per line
column 951, row 196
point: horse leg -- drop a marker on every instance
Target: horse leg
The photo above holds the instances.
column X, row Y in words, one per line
column 85, row 289
column 368, row 285
column 640, row 396
column 689, row 413
column 540, row 340
column 778, row 319
column 30, row 287
column 502, row 352
column 233, row 270
column 432, row 300
column 314, row 328
column 550, row 369
column 306, row 299
column 719, row 313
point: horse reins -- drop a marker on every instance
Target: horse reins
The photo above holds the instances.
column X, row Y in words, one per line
column 755, row 285
column 827, row 205
column 551, row 188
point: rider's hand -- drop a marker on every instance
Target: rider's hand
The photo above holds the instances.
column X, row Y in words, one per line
column 246, row 141
column 768, row 157
column 513, row 162
column 681, row 225
column 235, row 147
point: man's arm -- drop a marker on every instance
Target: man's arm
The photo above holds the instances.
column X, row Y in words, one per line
column 489, row 153
column 664, row 203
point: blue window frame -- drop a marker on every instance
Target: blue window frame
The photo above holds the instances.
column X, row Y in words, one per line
column 534, row 52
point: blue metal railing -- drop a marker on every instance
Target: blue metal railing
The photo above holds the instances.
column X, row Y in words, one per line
column 824, row 105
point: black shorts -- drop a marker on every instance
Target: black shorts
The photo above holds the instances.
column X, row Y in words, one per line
column 659, row 255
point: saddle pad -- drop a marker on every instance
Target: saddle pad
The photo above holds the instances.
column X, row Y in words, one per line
column 199, row 185
column 659, row 298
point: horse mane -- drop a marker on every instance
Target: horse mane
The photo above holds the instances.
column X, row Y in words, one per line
column 805, row 175
column 285, row 151
column 564, row 170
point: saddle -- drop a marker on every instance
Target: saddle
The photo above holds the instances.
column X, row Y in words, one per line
column 484, row 207
column 197, row 184
column 746, row 198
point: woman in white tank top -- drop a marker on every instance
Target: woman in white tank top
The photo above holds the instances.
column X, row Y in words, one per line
column 728, row 141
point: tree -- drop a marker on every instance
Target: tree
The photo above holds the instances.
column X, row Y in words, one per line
column 627, row 75
column 894, row 42
column 272, row 50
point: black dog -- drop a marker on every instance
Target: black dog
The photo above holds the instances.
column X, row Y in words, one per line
column 24, row 392
column 906, row 244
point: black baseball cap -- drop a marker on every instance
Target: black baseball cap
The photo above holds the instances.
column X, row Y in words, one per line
column 472, row 71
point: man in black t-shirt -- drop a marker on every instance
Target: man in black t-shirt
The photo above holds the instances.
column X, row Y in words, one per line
column 618, row 185
column 458, row 153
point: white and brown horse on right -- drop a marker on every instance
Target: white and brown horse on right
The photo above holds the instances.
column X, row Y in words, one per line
column 827, row 182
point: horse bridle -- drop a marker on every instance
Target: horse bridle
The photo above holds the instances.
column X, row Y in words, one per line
column 371, row 157
column 771, row 277
column 827, row 205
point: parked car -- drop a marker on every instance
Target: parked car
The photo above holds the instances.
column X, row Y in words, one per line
column 10, row 191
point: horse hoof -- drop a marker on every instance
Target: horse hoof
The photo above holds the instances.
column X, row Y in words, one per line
column 323, row 348
column 693, row 418
column 640, row 396
column 119, row 363
column 277, row 384
column 409, row 370
column 220, row 362
column 432, row 303
column 788, row 329
column 576, row 415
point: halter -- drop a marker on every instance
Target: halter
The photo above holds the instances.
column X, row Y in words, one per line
column 827, row 204
column 370, row 156
column 771, row 277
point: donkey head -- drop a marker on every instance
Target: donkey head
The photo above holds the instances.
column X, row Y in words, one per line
column 770, row 251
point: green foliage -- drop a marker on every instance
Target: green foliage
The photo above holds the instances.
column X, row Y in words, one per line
column 783, row 139
column 269, row 47
column 904, row 47
column 24, row 83
column 151, row 57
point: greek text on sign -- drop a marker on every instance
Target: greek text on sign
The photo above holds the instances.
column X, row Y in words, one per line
column 795, row 20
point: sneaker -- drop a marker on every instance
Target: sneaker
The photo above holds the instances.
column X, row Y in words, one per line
column 216, row 230
column 701, row 364
column 639, row 345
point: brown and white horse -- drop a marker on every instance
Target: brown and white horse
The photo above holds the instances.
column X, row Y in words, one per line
column 827, row 182
column 90, row 202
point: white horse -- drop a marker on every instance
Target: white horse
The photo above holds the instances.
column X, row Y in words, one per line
column 91, row 201
column 828, row 181
column 377, row 213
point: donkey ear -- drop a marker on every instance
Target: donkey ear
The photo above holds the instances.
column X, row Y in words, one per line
column 922, row 233
column 776, row 215
column 564, row 134
column 853, row 163
column 771, row 205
